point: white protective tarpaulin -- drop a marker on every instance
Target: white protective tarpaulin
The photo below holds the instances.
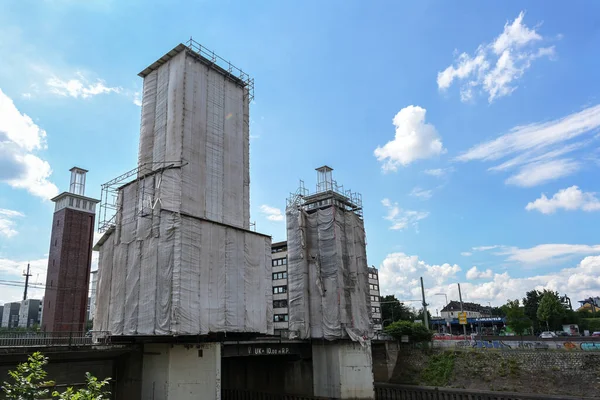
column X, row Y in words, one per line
column 328, row 284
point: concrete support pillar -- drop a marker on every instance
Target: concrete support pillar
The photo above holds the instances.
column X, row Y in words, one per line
column 342, row 370
column 181, row 372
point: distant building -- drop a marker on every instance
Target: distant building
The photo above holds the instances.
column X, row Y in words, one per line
column 473, row 310
column 1, row 315
column 92, row 301
column 30, row 313
column 591, row 304
column 375, row 299
column 10, row 315
column 280, row 286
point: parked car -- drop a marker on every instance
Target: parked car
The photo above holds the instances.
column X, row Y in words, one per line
column 596, row 334
column 562, row 333
column 547, row 335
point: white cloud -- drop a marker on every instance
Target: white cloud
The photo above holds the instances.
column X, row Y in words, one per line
column 511, row 54
column 272, row 213
column 19, row 137
column 486, row 248
column 466, row 254
column 7, row 222
column 400, row 218
column 137, row 99
column 12, row 270
column 537, row 149
column 439, row 172
column 399, row 274
column 541, row 172
column 421, row 193
column 571, row 198
column 475, row 273
column 79, row 87
column 414, row 139
column 548, row 252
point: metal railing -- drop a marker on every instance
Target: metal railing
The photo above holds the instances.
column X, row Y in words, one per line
column 407, row 392
column 68, row 339
column 241, row 394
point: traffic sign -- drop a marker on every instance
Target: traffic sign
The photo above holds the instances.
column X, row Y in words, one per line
column 462, row 318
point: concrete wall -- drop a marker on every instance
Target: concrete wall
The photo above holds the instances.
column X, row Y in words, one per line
column 342, row 370
column 180, row 372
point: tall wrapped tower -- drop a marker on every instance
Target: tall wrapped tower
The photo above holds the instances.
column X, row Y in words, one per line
column 178, row 257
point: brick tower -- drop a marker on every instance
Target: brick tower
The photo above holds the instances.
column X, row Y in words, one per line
column 70, row 258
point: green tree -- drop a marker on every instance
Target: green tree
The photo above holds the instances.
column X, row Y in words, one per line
column 420, row 316
column 531, row 301
column 515, row 317
column 29, row 379
column 416, row 332
column 550, row 310
column 94, row 390
column 392, row 310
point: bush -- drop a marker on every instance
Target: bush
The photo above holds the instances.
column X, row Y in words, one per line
column 416, row 332
column 439, row 369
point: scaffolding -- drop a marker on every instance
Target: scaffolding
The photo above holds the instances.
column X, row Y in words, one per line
column 221, row 63
column 109, row 193
column 328, row 192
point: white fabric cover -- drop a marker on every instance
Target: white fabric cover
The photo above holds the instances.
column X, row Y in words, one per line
column 328, row 285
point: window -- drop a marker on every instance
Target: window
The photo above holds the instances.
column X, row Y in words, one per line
column 58, row 222
column 279, row 275
column 71, row 201
column 77, row 203
column 375, row 309
column 84, row 205
column 374, row 298
column 280, row 261
column 374, row 287
column 280, row 318
column 280, row 303
column 55, row 241
column 285, row 261
column 279, row 289
column 376, row 320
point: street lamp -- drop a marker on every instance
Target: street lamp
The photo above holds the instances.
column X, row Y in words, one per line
column 442, row 294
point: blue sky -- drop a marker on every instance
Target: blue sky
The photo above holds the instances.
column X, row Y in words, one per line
column 471, row 131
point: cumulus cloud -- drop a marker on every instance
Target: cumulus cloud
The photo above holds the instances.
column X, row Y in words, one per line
column 79, row 87
column 20, row 137
column 495, row 67
column 272, row 213
column 414, row 140
column 421, row 193
column 7, row 222
column 399, row 275
column 538, row 150
column 475, row 273
column 571, row 198
column 401, row 219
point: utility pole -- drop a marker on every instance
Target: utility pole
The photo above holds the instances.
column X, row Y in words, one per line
column 426, row 320
column 26, row 275
column 461, row 310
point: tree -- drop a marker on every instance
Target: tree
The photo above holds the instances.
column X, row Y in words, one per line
column 29, row 377
column 515, row 317
column 30, row 383
column 93, row 391
column 416, row 332
column 531, row 302
column 550, row 310
column 392, row 310
column 420, row 316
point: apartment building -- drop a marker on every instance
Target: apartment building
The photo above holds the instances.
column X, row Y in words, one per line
column 280, row 286
column 375, row 300
column 30, row 313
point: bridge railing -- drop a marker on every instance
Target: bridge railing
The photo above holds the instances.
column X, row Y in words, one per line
column 242, row 394
column 408, row 392
column 69, row 339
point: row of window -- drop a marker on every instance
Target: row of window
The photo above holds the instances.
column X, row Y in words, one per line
column 375, row 309
column 279, row 289
column 376, row 321
column 372, row 276
column 374, row 298
column 373, row 287
column 280, row 275
column 79, row 204
column 280, row 303
column 280, row 318
column 279, row 261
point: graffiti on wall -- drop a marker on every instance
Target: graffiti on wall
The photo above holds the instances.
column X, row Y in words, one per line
column 508, row 344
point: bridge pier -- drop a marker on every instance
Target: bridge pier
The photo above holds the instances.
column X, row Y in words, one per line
column 342, row 370
column 181, row 372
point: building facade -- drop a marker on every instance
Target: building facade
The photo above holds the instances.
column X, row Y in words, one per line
column 30, row 313
column 375, row 299
column 280, row 286
column 70, row 258
column 473, row 310
column 1, row 315
column 10, row 315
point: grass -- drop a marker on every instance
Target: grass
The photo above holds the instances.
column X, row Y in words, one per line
column 439, row 369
